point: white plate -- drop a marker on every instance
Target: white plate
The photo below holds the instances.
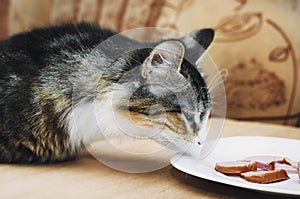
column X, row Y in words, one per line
column 236, row 148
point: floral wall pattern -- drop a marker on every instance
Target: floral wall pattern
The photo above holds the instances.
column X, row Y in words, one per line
column 257, row 42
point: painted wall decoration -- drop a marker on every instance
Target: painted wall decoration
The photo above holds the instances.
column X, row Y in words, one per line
column 255, row 90
column 257, row 42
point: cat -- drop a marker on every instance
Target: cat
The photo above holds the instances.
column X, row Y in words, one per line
column 57, row 88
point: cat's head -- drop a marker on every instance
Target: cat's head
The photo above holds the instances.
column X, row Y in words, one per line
column 166, row 94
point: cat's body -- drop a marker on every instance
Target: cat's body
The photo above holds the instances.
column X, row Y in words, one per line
column 56, row 89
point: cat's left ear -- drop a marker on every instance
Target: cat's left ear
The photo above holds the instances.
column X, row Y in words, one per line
column 167, row 56
column 196, row 43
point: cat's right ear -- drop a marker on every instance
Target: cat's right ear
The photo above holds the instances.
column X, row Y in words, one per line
column 167, row 56
column 196, row 43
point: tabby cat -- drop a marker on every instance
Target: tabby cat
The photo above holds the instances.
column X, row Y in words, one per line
column 59, row 91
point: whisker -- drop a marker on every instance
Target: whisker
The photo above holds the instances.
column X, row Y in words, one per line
column 218, row 79
column 218, row 103
column 217, row 97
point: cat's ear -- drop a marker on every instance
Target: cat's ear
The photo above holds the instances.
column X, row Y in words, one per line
column 196, row 43
column 167, row 55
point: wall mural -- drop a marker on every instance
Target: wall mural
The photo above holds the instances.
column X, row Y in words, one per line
column 251, row 86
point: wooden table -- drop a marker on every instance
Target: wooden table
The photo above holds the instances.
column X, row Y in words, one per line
column 87, row 178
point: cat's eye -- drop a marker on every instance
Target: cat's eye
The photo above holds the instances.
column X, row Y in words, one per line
column 175, row 110
column 156, row 109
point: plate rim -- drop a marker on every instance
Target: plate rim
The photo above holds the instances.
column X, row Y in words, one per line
column 253, row 186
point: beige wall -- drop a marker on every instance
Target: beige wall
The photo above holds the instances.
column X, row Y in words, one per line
column 257, row 42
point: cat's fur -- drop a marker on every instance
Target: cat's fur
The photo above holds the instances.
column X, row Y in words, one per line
column 56, row 90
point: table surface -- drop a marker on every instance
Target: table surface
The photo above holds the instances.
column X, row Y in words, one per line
column 88, row 178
